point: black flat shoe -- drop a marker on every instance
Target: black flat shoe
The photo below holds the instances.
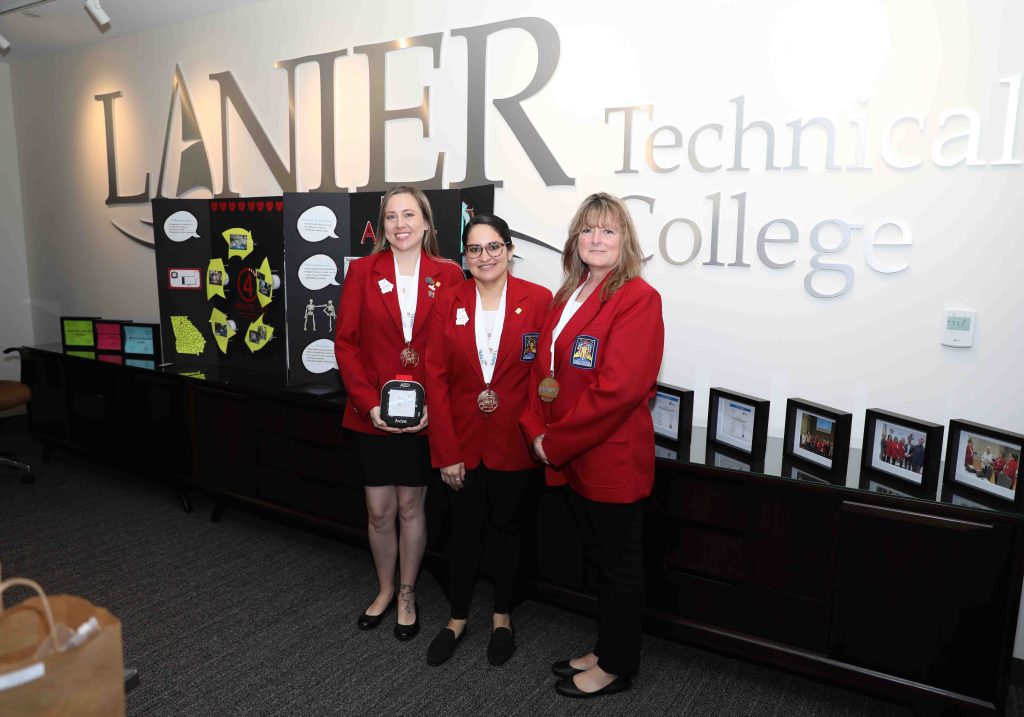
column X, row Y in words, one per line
column 563, row 669
column 443, row 646
column 567, row 688
column 501, row 646
column 368, row 622
column 408, row 632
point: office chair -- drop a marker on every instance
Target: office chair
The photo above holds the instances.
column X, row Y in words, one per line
column 12, row 395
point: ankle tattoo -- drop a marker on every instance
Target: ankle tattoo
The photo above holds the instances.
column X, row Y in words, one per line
column 407, row 594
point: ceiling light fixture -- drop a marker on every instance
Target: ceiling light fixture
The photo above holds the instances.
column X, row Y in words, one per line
column 4, row 45
column 98, row 14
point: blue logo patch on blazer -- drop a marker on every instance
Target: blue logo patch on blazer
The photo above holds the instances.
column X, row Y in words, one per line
column 584, row 352
column 529, row 352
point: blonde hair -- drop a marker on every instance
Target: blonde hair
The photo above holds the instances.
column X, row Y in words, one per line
column 430, row 236
column 598, row 209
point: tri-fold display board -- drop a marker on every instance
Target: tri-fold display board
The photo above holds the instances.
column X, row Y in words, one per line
column 256, row 282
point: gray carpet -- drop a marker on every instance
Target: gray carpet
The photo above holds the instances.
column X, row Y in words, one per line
column 250, row 617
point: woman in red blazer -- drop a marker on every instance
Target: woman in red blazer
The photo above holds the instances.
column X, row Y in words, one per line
column 386, row 302
column 589, row 421
column 483, row 342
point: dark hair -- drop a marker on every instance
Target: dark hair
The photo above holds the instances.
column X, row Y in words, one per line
column 499, row 225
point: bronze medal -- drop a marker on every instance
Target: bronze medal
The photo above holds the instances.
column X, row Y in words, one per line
column 487, row 401
column 409, row 357
column 548, row 389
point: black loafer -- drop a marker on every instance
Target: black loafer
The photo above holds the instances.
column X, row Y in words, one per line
column 443, row 646
column 567, row 688
column 368, row 622
column 564, row 670
column 408, row 632
column 501, row 646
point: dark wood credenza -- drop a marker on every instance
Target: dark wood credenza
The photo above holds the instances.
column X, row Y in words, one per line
column 911, row 599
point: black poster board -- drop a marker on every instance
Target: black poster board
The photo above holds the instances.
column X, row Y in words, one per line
column 244, row 319
column 318, row 237
column 181, row 233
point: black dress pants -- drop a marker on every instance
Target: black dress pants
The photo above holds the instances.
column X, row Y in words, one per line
column 487, row 497
column 615, row 532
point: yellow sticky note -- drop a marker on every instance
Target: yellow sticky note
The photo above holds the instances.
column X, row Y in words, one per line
column 223, row 329
column 258, row 334
column 239, row 242
column 216, row 279
column 264, row 284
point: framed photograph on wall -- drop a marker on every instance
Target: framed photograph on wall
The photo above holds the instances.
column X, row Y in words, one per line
column 738, row 422
column 672, row 411
column 985, row 459
column 902, row 447
column 817, row 435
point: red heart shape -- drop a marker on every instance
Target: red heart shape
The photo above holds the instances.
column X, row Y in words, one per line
column 213, row 206
column 252, row 206
column 270, row 206
column 259, row 206
column 231, row 206
column 279, row 206
column 223, row 206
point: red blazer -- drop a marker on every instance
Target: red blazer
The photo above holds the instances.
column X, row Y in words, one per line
column 368, row 340
column 459, row 431
column 599, row 436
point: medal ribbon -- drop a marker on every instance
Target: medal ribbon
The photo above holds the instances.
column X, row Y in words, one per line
column 408, row 293
column 487, row 346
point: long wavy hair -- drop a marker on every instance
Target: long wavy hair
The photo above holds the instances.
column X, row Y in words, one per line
column 429, row 237
column 600, row 208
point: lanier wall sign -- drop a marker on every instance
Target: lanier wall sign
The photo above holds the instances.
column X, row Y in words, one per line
column 725, row 140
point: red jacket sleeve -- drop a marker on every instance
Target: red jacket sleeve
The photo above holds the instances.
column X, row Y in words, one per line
column 632, row 360
column 362, row 394
column 444, row 442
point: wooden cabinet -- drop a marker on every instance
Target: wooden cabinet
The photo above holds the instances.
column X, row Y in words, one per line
column 908, row 599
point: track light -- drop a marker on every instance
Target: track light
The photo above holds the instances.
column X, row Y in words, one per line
column 98, row 14
column 4, row 45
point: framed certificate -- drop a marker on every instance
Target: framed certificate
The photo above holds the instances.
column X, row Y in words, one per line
column 902, row 447
column 985, row 460
column 817, row 435
column 78, row 333
column 738, row 422
column 672, row 412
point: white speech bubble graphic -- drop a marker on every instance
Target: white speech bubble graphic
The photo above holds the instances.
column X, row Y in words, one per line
column 317, row 223
column 181, row 226
column 318, row 271
column 318, row 357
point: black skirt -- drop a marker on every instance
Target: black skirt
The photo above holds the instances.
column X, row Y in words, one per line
column 396, row 459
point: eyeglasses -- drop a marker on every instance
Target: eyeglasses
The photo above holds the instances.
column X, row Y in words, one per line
column 494, row 249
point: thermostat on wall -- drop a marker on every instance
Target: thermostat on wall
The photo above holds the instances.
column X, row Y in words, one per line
column 959, row 328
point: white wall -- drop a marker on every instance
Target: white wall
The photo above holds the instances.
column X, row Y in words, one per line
column 15, row 316
column 754, row 329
